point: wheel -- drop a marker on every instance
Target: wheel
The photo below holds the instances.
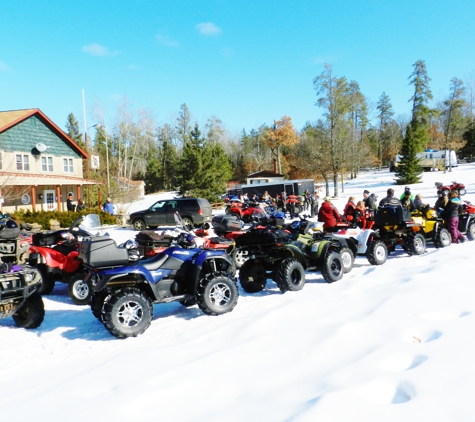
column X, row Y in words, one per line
column 31, row 313
column 416, row 244
column 240, row 256
column 252, row 276
column 443, row 238
column 127, row 313
column 139, row 224
column 216, row 294
column 462, row 192
column 471, row 230
column 290, row 275
column 97, row 303
column 47, row 281
column 332, row 269
column 187, row 222
column 347, row 258
column 80, row 291
column 377, row 253
column 298, row 209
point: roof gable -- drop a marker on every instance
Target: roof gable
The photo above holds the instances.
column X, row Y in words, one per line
column 10, row 119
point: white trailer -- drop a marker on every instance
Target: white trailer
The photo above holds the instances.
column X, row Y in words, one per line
column 434, row 160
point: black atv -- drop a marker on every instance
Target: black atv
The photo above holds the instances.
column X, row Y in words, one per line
column 19, row 296
column 271, row 255
column 395, row 226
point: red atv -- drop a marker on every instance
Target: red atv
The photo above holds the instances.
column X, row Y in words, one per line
column 459, row 187
column 244, row 211
column 55, row 255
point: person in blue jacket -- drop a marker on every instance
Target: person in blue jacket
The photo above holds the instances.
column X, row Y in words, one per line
column 108, row 206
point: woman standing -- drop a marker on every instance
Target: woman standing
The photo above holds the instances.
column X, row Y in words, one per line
column 451, row 216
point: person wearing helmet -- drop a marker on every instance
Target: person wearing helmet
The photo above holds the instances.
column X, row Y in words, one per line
column 407, row 190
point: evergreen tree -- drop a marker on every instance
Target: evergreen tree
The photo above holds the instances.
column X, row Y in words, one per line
column 409, row 170
column 72, row 129
column 417, row 131
column 468, row 151
column 204, row 168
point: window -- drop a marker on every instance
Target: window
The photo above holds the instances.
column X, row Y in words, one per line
column 47, row 163
column 22, row 162
column 68, row 165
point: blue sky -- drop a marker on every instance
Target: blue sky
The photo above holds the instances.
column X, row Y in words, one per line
column 246, row 62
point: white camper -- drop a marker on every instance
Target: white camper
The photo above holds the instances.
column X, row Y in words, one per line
column 434, row 160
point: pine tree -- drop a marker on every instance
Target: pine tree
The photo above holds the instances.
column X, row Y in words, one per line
column 72, row 129
column 409, row 171
column 204, row 168
column 417, row 131
column 384, row 117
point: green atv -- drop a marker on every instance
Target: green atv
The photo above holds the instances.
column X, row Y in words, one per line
column 271, row 255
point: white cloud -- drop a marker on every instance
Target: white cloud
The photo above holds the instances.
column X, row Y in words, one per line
column 5, row 68
column 167, row 41
column 208, row 28
column 98, row 50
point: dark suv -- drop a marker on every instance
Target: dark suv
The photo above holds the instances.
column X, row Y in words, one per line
column 193, row 211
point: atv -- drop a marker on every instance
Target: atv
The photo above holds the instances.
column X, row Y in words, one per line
column 126, row 287
column 395, row 226
column 432, row 226
column 271, row 255
column 19, row 296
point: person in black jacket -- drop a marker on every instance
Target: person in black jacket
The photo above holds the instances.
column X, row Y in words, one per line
column 451, row 217
column 70, row 204
column 390, row 199
column 370, row 200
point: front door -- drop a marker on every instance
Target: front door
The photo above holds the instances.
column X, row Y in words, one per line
column 49, row 200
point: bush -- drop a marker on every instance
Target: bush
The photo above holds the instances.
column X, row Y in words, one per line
column 65, row 218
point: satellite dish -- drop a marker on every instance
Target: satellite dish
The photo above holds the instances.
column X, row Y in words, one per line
column 41, row 147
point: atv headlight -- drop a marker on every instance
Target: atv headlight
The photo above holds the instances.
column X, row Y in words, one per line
column 29, row 277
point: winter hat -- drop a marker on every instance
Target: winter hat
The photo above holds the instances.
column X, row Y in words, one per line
column 351, row 198
column 366, row 191
column 327, row 199
column 407, row 189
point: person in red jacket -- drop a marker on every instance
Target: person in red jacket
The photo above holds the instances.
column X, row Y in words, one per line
column 349, row 211
column 328, row 215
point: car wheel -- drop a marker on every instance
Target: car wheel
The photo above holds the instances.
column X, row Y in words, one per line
column 290, row 276
column 471, row 230
column 127, row 313
column 217, row 294
column 139, row 224
column 240, row 256
column 347, row 258
column 332, row 269
column 443, row 238
column 252, row 276
column 377, row 253
column 416, row 244
column 31, row 313
column 80, row 291
column 47, row 281
column 188, row 222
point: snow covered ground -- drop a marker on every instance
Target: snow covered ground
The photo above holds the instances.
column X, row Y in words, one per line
column 388, row 343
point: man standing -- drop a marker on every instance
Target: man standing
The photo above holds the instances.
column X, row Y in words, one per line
column 108, row 206
column 70, row 204
column 369, row 200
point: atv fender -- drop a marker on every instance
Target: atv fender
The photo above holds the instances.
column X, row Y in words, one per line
column 290, row 251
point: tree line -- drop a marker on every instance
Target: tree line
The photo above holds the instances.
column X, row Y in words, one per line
column 351, row 134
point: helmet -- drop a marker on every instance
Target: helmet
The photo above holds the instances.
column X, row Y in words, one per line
column 66, row 236
column 11, row 224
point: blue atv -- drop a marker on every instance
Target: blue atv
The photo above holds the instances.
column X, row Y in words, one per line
column 126, row 287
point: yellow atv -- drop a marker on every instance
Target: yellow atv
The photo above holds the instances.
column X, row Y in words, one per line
column 432, row 226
